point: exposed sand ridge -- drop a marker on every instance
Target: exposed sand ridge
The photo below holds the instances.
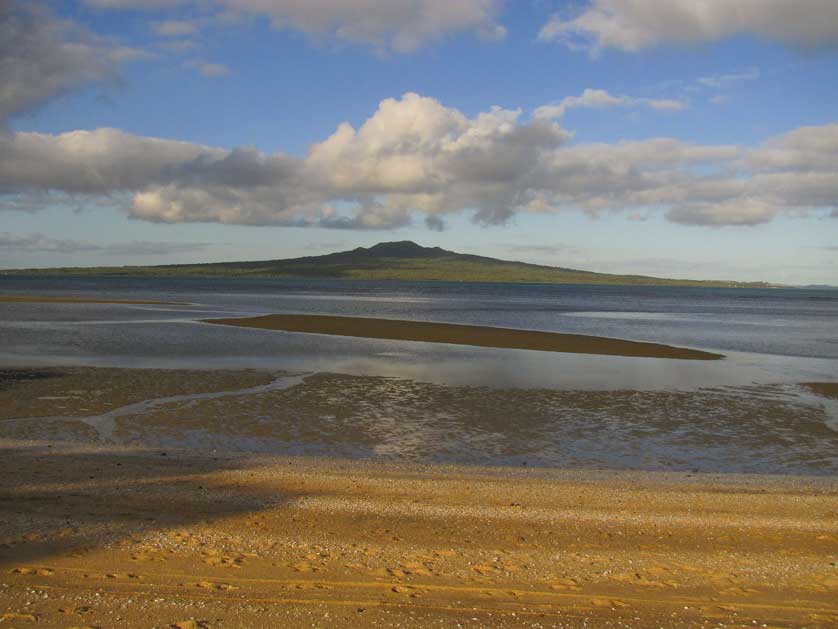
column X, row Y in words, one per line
column 480, row 336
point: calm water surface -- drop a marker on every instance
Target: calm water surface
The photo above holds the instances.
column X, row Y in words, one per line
column 769, row 336
column 740, row 414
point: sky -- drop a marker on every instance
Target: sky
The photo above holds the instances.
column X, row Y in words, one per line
column 691, row 138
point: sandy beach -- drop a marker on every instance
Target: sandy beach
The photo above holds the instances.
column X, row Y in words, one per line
column 96, row 534
column 97, row 537
column 480, row 336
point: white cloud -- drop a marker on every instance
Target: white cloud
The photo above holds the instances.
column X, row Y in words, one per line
column 213, row 69
column 400, row 26
column 416, row 156
column 633, row 25
column 601, row 99
column 207, row 69
column 663, row 104
column 175, row 28
column 806, row 149
column 740, row 211
column 719, row 81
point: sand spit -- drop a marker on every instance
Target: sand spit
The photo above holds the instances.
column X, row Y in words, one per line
column 36, row 299
column 826, row 389
column 479, row 336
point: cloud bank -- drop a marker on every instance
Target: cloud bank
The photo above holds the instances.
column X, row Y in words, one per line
column 632, row 25
column 414, row 155
column 400, row 26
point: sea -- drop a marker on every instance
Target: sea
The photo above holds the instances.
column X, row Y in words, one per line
column 773, row 340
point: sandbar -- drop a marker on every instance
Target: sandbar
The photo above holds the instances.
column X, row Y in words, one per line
column 479, row 336
column 826, row 389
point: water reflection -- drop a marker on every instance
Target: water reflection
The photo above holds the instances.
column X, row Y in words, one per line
column 764, row 429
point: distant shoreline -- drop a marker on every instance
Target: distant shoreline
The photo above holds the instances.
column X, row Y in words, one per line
column 404, row 260
column 37, row 299
column 479, row 336
column 107, row 273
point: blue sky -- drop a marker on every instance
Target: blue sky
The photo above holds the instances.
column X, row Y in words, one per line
column 605, row 135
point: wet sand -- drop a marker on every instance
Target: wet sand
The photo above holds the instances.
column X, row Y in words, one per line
column 762, row 429
column 131, row 534
column 36, row 299
column 479, row 336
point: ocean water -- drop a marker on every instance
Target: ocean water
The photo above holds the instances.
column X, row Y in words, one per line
column 746, row 412
column 768, row 336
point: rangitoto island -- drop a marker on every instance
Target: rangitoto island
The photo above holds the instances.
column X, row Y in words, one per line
column 474, row 335
column 402, row 260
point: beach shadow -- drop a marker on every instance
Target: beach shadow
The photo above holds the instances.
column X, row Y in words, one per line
column 66, row 503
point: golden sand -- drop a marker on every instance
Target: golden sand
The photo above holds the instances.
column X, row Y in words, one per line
column 90, row 536
column 479, row 336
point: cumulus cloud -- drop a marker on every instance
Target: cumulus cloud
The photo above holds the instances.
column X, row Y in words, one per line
column 92, row 162
column 42, row 57
column 415, row 156
column 400, row 26
column 207, row 69
column 739, row 211
column 633, row 25
column 806, row 149
column 39, row 243
column 594, row 98
column 175, row 28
